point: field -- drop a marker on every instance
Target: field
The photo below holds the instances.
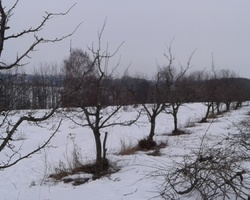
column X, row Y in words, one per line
column 137, row 177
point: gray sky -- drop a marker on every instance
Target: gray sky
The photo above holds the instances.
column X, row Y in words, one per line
column 218, row 27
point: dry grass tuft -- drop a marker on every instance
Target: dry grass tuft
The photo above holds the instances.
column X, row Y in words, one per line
column 180, row 132
column 66, row 171
column 129, row 149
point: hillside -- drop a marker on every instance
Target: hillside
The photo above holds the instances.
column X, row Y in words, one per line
column 28, row 180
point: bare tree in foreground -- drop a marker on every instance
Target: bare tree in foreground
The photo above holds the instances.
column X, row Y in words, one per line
column 10, row 154
column 102, row 100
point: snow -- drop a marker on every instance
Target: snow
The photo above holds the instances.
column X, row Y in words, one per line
column 28, row 180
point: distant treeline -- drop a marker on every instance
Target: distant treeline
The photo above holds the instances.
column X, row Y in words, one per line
column 21, row 91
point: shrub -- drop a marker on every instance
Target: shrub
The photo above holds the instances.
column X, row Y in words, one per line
column 146, row 144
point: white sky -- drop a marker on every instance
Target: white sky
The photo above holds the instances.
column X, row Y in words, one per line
column 218, row 27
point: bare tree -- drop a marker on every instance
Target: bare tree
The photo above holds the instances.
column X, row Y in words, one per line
column 106, row 102
column 176, row 87
column 157, row 104
column 208, row 96
column 9, row 127
column 210, row 92
column 219, row 86
column 227, row 87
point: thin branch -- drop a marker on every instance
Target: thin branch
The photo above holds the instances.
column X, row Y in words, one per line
column 34, row 151
column 40, row 26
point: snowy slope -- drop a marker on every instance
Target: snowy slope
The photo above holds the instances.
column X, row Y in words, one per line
column 28, row 180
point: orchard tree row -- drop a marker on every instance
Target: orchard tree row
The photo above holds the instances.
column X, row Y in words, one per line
column 87, row 81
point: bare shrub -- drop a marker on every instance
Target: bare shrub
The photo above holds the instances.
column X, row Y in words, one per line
column 146, row 144
column 143, row 145
column 218, row 172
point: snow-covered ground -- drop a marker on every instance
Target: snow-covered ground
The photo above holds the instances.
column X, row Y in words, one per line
column 28, row 180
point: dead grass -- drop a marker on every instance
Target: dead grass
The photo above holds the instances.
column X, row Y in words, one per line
column 61, row 173
column 180, row 132
column 212, row 116
column 66, row 171
column 143, row 145
column 128, row 149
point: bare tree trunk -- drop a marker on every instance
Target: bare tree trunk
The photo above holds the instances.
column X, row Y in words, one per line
column 238, row 105
column 213, row 109
column 175, row 122
column 98, row 147
column 175, row 111
column 218, row 107
column 104, row 149
column 152, row 128
column 208, row 110
column 228, row 106
column 204, row 119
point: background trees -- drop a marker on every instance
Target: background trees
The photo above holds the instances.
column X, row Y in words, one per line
column 78, row 70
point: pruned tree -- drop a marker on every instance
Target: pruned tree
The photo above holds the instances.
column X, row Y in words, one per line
column 156, row 101
column 106, row 99
column 153, row 105
column 208, row 97
column 218, row 88
column 226, row 88
column 176, row 87
column 209, row 92
column 10, row 154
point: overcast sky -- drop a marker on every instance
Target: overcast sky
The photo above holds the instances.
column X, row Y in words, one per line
column 218, row 27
